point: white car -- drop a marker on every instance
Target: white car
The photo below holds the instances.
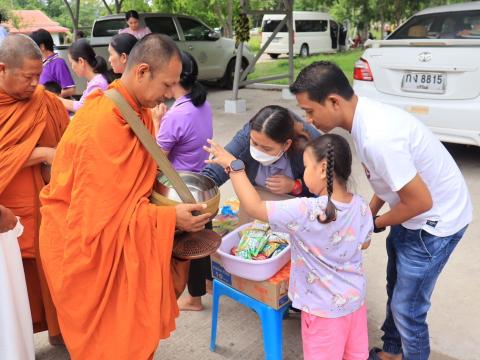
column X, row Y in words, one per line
column 430, row 66
column 214, row 54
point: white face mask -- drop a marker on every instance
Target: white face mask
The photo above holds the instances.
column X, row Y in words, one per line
column 262, row 158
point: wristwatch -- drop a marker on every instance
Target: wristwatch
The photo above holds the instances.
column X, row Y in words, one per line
column 235, row 165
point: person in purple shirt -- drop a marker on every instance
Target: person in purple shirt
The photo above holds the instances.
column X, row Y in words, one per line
column 327, row 234
column 54, row 67
column 185, row 128
column 86, row 64
column 133, row 22
column 183, row 131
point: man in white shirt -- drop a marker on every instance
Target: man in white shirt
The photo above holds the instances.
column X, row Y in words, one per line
column 409, row 168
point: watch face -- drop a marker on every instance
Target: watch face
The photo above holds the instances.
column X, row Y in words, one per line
column 237, row 165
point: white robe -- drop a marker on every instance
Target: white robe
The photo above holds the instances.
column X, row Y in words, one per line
column 16, row 331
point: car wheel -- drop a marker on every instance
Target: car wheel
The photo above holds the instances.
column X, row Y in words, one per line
column 227, row 81
column 304, row 52
column 274, row 56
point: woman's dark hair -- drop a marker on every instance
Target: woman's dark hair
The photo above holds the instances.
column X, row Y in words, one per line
column 42, row 36
column 189, row 80
column 321, row 79
column 82, row 49
column 278, row 124
column 132, row 13
column 335, row 150
column 123, row 43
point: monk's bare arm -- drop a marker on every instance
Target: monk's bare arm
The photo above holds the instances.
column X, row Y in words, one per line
column 40, row 155
column 68, row 92
column 68, row 104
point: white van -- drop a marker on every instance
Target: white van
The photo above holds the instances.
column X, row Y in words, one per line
column 314, row 32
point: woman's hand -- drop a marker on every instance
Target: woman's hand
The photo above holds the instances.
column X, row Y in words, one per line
column 157, row 115
column 280, row 184
column 220, row 156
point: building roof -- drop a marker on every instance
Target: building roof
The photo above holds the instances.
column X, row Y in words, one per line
column 31, row 20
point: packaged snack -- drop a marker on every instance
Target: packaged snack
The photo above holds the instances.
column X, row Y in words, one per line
column 260, row 257
column 260, row 225
column 278, row 237
column 279, row 250
column 270, row 248
column 252, row 241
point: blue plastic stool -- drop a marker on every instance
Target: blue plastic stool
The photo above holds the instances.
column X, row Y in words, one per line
column 270, row 318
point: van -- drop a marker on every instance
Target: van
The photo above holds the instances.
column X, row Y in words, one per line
column 314, row 32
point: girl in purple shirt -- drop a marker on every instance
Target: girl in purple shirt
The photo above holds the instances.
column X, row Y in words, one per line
column 86, row 64
column 327, row 281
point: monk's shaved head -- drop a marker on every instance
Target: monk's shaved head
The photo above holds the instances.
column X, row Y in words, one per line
column 15, row 49
column 156, row 50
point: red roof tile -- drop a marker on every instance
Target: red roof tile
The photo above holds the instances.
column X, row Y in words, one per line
column 31, row 20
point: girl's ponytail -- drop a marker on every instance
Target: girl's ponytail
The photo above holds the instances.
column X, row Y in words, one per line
column 331, row 210
column 198, row 94
column 102, row 68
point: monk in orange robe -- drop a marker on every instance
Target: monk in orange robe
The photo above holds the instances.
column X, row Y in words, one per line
column 106, row 250
column 32, row 122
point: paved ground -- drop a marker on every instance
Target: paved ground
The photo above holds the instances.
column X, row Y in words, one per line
column 454, row 319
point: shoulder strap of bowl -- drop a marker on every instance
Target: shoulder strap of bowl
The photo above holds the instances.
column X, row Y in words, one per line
column 150, row 145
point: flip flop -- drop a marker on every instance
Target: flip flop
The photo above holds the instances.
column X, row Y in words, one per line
column 373, row 354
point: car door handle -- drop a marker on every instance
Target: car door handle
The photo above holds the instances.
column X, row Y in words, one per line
column 190, row 47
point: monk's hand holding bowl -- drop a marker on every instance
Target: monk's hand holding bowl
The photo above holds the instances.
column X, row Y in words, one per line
column 7, row 219
column 188, row 222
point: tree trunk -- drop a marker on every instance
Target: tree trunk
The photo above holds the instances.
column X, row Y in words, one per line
column 73, row 16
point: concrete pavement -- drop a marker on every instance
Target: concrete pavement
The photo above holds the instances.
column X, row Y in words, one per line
column 454, row 319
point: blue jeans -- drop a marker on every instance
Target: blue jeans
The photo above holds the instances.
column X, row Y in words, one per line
column 415, row 260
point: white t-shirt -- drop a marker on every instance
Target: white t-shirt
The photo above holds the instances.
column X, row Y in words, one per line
column 394, row 146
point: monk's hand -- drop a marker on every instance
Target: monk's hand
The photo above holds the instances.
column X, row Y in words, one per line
column 48, row 154
column 280, row 184
column 220, row 156
column 186, row 221
column 7, row 219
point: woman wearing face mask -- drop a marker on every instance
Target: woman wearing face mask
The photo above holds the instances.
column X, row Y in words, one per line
column 270, row 145
column 118, row 51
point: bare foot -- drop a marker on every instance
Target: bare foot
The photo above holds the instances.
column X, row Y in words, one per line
column 209, row 286
column 387, row 356
column 189, row 303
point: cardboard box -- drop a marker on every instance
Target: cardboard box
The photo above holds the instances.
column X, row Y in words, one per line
column 273, row 292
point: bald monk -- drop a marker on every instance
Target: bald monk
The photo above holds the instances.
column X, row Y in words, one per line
column 107, row 250
column 32, row 122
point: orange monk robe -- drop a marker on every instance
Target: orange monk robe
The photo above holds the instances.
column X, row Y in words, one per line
column 38, row 121
column 106, row 250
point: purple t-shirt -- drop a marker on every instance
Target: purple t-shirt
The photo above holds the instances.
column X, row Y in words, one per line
column 184, row 131
column 97, row 82
column 56, row 70
column 327, row 277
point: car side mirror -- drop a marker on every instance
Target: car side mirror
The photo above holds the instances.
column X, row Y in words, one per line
column 213, row 35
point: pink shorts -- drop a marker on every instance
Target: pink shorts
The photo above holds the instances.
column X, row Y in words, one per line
column 343, row 338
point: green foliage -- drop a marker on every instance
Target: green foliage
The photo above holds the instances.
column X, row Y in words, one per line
column 345, row 60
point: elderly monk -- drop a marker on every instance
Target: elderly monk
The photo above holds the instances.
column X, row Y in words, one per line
column 107, row 250
column 31, row 124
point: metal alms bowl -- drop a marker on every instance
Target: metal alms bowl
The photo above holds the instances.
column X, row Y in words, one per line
column 203, row 189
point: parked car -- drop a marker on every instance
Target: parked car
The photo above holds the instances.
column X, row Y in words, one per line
column 214, row 54
column 430, row 67
column 314, row 32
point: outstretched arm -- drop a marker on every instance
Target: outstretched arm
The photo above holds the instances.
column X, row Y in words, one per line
column 250, row 201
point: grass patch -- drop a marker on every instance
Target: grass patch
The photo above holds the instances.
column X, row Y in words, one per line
column 345, row 60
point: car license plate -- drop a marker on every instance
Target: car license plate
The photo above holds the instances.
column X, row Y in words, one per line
column 428, row 82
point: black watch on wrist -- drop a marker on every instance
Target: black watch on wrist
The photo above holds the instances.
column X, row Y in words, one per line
column 375, row 228
column 235, row 165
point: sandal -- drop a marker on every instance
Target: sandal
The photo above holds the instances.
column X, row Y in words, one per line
column 372, row 355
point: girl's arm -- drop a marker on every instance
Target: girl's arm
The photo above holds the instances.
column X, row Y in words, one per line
column 67, row 103
column 250, row 201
